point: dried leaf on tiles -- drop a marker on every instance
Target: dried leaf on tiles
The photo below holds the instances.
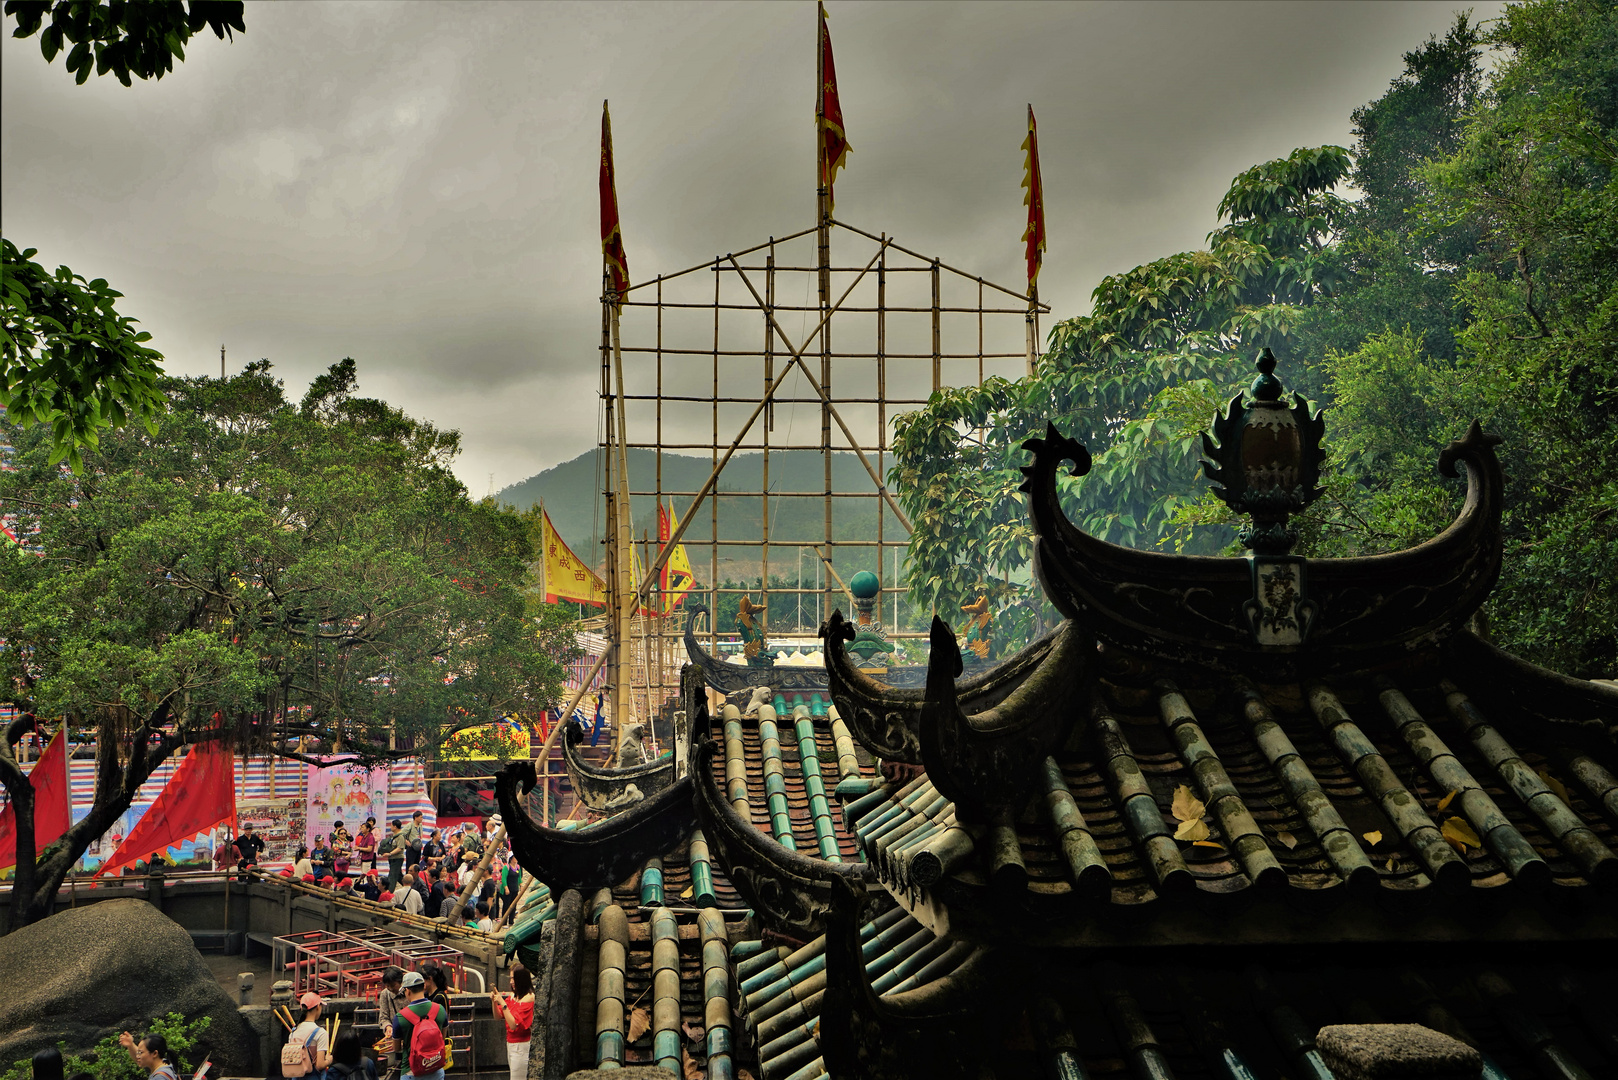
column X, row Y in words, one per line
column 640, row 1021
column 1460, row 835
column 690, row 1068
column 690, row 891
column 743, row 1074
column 1374, row 837
column 1443, row 804
column 1287, row 838
column 1194, row 830
column 694, row 1032
column 1552, row 782
column 1390, row 864
column 1208, row 843
column 1186, row 806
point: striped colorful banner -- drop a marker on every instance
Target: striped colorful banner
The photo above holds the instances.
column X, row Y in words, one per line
column 407, row 788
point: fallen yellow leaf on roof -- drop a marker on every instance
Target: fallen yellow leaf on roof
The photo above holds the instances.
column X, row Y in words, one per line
column 690, row 890
column 1374, row 837
column 639, row 1021
column 1193, row 830
column 1459, row 833
column 1443, row 804
column 1186, row 806
column 1287, row 838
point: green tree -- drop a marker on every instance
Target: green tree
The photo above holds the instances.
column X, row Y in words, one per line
column 124, row 37
column 67, row 358
column 1135, row 381
column 296, row 580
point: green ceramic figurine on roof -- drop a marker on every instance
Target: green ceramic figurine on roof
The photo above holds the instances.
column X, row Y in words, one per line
column 870, row 642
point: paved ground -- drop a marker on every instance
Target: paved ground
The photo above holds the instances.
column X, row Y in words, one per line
column 226, row 968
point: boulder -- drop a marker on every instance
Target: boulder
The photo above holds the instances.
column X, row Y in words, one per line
column 88, row 972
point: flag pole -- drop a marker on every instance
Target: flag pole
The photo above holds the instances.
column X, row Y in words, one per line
column 823, row 267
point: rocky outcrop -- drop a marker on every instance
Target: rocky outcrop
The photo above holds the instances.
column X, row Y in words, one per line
column 92, row 971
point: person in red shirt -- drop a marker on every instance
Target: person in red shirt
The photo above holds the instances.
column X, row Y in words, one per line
column 517, row 1009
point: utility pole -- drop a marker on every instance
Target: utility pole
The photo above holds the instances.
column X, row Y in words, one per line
column 221, row 362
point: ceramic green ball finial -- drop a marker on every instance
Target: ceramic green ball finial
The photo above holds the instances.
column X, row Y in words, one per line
column 864, row 585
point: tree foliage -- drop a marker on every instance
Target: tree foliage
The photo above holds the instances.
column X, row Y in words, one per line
column 68, row 358
column 289, row 579
column 142, row 38
column 1475, row 276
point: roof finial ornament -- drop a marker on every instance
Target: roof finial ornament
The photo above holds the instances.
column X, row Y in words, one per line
column 1266, row 460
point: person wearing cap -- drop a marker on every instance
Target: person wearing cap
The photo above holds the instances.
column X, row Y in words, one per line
column 248, row 845
column 367, row 886
column 328, row 881
column 415, row 988
column 311, row 1033
column 321, row 855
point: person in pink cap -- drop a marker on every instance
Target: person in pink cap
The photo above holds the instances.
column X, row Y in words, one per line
column 311, row 1034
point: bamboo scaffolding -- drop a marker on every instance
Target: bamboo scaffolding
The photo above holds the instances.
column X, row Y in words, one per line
column 684, row 341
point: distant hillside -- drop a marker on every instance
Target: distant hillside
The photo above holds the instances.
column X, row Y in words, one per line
column 571, row 493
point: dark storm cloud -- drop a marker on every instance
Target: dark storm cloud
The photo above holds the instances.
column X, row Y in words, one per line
column 413, row 185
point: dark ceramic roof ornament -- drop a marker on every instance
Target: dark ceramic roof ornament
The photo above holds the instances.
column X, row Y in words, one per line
column 1267, row 458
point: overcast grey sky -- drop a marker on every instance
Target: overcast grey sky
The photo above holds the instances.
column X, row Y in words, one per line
column 414, row 184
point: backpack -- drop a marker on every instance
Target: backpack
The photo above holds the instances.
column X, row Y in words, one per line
column 297, row 1061
column 428, row 1051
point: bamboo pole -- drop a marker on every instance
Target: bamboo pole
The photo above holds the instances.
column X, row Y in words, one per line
column 622, row 688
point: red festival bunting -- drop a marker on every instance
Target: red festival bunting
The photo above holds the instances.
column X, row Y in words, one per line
column 52, row 808
column 200, row 795
column 834, row 144
column 612, row 239
column 1034, row 235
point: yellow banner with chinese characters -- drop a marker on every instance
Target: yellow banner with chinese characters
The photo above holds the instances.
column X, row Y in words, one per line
column 567, row 577
column 506, row 740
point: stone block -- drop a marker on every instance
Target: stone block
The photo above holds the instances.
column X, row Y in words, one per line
column 1395, row 1052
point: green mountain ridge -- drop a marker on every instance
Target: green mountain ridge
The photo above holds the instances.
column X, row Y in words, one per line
column 572, row 495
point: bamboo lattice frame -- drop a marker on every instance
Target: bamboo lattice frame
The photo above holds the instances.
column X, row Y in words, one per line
column 700, row 349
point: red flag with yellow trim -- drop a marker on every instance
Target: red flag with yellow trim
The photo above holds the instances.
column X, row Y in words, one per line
column 1034, row 235
column 612, row 239
column 834, row 142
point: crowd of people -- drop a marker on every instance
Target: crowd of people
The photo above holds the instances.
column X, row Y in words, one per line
column 426, row 868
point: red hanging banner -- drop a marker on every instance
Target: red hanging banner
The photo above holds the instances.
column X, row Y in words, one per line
column 52, row 802
column 612, row 238
column 1034, row 235
column 835, row 148
column 200, row 795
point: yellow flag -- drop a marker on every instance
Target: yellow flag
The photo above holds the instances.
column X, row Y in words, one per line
column 567, row 578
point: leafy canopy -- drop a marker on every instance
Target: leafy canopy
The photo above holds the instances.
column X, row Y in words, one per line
column 142, row 38
column 1476, row 276
column 295, row 579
